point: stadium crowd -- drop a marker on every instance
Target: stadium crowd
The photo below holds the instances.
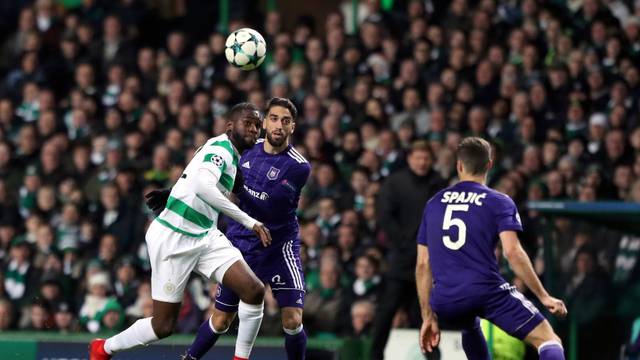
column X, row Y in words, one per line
column 103, row 101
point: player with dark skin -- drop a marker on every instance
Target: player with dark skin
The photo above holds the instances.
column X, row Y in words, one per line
column 279, row 124
column 242, row 130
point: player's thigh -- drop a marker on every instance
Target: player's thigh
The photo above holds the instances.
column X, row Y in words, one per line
column 173, row 257
column 244, row 283
column 512, row 312
column 459, row 315
column 541, row 334
column 217, row 257
column 283, row 271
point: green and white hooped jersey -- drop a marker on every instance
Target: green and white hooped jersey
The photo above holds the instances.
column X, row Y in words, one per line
column 185, row 212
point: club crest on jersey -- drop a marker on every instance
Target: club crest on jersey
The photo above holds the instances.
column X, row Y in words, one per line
column 273, row 172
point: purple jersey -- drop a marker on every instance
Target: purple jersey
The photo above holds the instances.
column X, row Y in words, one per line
column 460, row 225
column 270, row 194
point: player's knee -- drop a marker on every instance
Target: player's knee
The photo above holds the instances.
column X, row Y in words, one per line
column 556, row 338
column 291, row 321
column 221, row 323
column 254, row 294
column 163, row 328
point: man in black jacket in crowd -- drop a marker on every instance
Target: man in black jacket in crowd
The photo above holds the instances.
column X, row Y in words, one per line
column 399, row 210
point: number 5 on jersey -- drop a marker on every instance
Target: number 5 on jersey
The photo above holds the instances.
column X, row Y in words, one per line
column 450, row 221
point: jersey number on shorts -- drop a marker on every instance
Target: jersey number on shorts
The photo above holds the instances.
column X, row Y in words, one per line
column 450, row 221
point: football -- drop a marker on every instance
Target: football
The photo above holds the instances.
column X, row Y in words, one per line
column 245, row 48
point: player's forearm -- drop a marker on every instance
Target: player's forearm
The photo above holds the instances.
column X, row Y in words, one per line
column 424, row 283
column 521, row 265
column 207, row 190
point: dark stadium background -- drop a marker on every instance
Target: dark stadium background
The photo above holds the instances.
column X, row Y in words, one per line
column 103, row 101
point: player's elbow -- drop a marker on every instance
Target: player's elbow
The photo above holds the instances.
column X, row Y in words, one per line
column 422, row 269
column 514, row 254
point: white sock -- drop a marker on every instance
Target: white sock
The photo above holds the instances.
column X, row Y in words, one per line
column 295, row 331
column 549, row 343
column 140, row 333
column 250, row 319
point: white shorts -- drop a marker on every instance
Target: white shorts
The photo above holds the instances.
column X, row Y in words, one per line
column 174, row 256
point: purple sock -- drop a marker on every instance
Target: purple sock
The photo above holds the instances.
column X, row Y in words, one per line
column 551, row 350
column 205, row 339
column 295, row 342
column 474, row 344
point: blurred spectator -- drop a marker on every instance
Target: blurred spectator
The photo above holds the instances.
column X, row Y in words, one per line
column 20, row 276
column 587, row 298
column 362, row 314
column 322, row 304
column 6, row 315
column 64, row 318
column 95, row 301
column 367, row 279
column 401, row 201
column 101, row 103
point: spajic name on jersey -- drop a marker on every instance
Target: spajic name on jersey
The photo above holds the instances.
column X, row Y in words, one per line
column 462, row 197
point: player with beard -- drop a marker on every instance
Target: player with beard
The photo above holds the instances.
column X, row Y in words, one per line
column 273, row 173
column 184, row 238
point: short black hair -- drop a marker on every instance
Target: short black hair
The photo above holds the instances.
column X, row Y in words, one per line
column 475, row 154
column 238, row 108
column 285, row 103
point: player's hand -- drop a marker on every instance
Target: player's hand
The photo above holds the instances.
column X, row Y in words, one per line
column 157, row 199
column 429, row 334
column 555, row 306
column 263, row 233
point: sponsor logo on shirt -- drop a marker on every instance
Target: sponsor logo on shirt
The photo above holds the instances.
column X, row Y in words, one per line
column 256, row 194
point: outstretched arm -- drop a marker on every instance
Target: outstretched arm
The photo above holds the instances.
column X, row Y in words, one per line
column 429, row 333
column 521, row 265
column 207, row 190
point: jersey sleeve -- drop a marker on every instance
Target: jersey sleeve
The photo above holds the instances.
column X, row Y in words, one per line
column 507, row 216
column 297, row 177
column 292, row 183
column 216, row 160
column 422, row 231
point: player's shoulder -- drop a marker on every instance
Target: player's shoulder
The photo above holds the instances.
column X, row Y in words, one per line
column 295, row 157
column 254, row 149
column 438, row 196
column 222, row 145
column 499, row 198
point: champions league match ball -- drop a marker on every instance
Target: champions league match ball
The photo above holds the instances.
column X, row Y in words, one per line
column 245, row 48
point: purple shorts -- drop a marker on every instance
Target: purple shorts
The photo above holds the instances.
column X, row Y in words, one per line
column 280, row 267
column 505, row 307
